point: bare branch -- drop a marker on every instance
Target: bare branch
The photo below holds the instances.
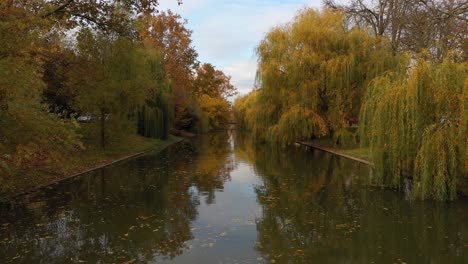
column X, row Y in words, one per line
column 58, row 9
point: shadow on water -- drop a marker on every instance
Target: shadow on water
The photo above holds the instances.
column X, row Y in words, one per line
column 191, row 204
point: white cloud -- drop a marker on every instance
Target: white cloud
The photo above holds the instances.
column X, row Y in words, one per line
column 225, row 33
column 243, row 74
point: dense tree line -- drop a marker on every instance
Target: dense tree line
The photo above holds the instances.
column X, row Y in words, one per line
column 124, row 65
column 371, row 60
column 312, row 74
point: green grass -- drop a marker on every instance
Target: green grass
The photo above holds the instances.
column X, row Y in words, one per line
column 354, row 150
column 130, row 146
column 133, row 144
column 90, row 158
column 362, row 153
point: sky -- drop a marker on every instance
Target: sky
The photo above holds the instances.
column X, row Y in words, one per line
column 226, row 32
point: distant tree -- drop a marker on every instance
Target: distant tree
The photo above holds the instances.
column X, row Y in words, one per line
column 212, row 82
column 417, row 25
column 212, row 89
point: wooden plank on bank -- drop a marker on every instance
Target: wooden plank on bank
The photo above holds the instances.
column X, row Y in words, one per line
column 332, row 151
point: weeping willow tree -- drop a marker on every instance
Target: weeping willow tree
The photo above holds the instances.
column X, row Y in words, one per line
column 155, row 117
column 244, row 108
column 312, row 74
column 414, row 122
column 464, row 125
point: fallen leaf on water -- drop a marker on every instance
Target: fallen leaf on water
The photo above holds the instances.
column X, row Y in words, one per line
column 222, row 234
column 237, row 220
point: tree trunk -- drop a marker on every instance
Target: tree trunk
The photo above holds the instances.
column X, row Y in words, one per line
column 103, row 130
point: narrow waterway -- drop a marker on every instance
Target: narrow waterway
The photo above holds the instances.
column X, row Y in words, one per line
column 221, row 199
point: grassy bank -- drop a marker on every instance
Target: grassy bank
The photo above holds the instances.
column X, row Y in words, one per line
column 81, row 162
column 352, row 150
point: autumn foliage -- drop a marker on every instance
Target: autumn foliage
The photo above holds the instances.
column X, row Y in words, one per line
column 320, row 69
column 312, row 75
column 125, row 66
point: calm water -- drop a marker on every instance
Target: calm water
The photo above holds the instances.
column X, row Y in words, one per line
column 221, row 199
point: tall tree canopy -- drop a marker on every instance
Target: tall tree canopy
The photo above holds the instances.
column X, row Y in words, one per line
column 111, row 81
column 415, row 125
column 372, row 59
column 167, row 32
column 29, row 135
column 433, row 25
column 127, row 66
column 312, row 74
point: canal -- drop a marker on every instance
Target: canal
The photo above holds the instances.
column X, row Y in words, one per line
column 219, row 198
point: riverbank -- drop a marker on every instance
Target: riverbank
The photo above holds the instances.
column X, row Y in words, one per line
column 354, row 153
column 358, row 155
column 84, row 162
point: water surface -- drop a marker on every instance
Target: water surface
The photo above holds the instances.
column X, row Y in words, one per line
column 221, row 199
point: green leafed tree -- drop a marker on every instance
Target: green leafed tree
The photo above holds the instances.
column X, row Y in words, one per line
column 414, row 122
column 156, row 115
column 30, row 136
column 110, row 83
column 312, row 74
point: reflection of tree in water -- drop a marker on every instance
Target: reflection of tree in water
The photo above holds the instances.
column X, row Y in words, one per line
column 141, row 209
column 134, row 210
column 316, row 208
column 213, row 163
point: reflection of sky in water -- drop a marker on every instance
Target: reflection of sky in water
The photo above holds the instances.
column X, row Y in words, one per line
column 225, row 230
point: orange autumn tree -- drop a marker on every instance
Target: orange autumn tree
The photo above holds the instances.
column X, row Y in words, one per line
column 167, row 33
column 212, row 88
